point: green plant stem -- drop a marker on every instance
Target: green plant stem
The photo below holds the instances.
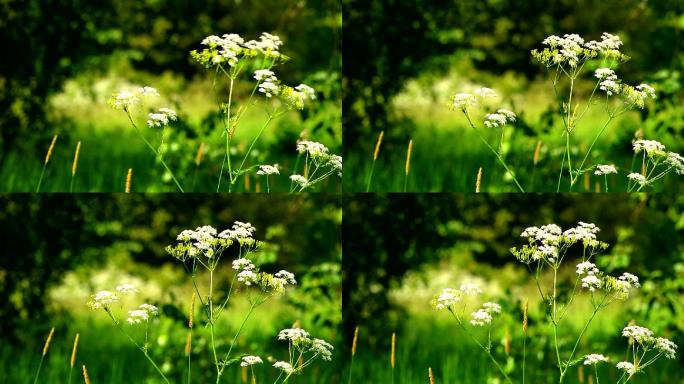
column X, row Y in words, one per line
column 210, row 300
column 574, row 348
column 489, row 353
column 40, row 180
column 156, row 153
column 351, row 367
column 71, row 369
column 498, row 157
column 405, row 181
column 71, row 184
column 237, row 334
column 596, row 374
column 228, row 139
column 40, row 365
column 189, row 356
column 591, row 146
column 249, row 150
column 524, row 355
column 370, row 176
column 605, row 181
column 139, row 347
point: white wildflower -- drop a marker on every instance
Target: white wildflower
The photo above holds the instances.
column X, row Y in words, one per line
column 605, row 169
column 161, row 118
column 627, row 367
column 147, row 92
column 268, row 170
column 481, row 317
column 242, row 264
column 470, row 289
column 485, row 92
column 126, row 289
column 586, row 268
column 289, row 277
column 638, row 178
column 594, row 358
column 247, row 276
column 269, row 88
column 306, row 91
column 295, row 335
column 300, row 180
column 102, row 299
column 447, row 298
column 611, row 87
column 137, row 316
column 149, row 308
column 491, row 307
column 284, row 366
column 651, row 147
column 124, row 100
column 632, row 280
column 666, row 347
column 250, row 360
column 463, row 100
column 264, row 75
column 592, row 283
column 605, row 74
column 642, row 335
column 322, row 349
column 676, row 161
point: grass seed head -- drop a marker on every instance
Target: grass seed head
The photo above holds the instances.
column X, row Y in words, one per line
column 74, row 166
column 86, row 378
column 377, row 145
column 431, row 376
column 200, row 153
column 50, row 149
column 191, row 314
column 478, row 182
column 188, row 343
column 537, row 152
column 356, row 338
column 73, row 351
column 48, row 341
column 408, row 157
column 128, row 180
column 394, row 348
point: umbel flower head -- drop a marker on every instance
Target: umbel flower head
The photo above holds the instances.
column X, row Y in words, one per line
column 250, row 360
column 499, row 119
column 230, row 49
column 161, row 118
column 126, row 99
column 571, row 50
column 301, row 341
column 607, row 169
column 450, row 296
column 594, row 359
column 321, row 157
column 546, row 243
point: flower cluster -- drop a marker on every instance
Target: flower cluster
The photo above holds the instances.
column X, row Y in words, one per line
column 549, row 242
column 126, row 99
column 646, row 340
column 659, row 159
column 463, row 100
column 268, row 170
column 594, row 358
column 161, row 118
column 483, row 316
column 321, row 158
column 142, row 314
column 571, row 50
column 499, row 119
column 450, row 296
column 206, row 242
column 229, row 49
column 250, row 360
column 605, row 169
column 309, row 349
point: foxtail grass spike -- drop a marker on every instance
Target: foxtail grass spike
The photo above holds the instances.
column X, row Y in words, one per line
column 478, row 182
column 129, row 176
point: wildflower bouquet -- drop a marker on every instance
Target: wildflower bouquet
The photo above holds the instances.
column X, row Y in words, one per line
column 546, row 249
column 230, row 58
column 567, row 58
column 202, row 249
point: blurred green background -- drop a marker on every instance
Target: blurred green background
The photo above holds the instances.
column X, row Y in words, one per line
column 404, row 59
column 68, row 57
column 400, row 251
column 59, row 249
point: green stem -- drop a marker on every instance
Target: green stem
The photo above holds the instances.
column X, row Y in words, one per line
column 370, row 176
column 600, row 132
column 156, row 153
column 232, row 343
column 139, row 347
column 351, row 367
column 40, row 365
column 40, row 180
column 249, row 150
column 498, row 157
